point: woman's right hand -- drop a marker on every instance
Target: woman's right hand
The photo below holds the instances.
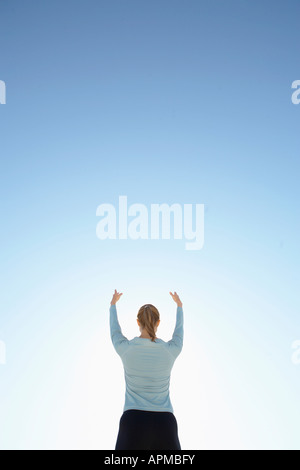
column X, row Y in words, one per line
column 176, row 299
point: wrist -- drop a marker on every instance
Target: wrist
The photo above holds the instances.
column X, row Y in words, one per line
column 179, row 304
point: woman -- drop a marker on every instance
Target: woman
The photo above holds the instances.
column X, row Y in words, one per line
column 147, row 422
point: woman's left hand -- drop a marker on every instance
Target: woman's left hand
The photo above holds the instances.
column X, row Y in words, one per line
column 116, row 297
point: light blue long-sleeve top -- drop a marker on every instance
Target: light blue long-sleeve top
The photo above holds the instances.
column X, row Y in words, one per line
column 147, row 365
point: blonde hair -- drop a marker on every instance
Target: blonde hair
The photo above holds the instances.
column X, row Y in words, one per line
column 148, row 316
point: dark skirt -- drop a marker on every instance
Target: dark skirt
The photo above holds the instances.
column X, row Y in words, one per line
column 147, row 430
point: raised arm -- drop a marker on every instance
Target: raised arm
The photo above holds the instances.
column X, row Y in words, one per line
column 176, row 343
column 119, row 341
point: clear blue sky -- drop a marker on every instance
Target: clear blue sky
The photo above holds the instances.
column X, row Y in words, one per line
column 165, row 102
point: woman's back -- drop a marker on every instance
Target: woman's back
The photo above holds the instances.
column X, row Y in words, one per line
column 147, row 365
